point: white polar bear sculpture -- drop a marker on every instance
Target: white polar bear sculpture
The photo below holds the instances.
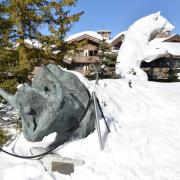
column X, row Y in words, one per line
column 135, row 47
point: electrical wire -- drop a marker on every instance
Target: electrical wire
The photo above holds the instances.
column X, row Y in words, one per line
column 52, row 149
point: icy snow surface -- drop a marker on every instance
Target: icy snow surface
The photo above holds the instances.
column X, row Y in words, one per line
column 144, row 142
column 135, row 47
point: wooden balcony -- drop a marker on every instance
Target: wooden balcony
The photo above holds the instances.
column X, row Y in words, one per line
column 85, row 59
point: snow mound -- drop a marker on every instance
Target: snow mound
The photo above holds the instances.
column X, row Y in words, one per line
column 144, row 141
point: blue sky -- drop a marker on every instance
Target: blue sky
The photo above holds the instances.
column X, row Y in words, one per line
column 118, row 15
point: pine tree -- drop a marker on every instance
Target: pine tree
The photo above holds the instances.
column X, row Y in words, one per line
column 173, row 75
column 105, row 66
column 107, row 58
column 21, row 20
column 7, row 54
column 26, row 16
column 61, row 21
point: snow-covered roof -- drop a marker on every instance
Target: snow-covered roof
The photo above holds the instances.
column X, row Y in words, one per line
column 34, row 43
column 117, row 36
column 104, row 30
column 172, row 47
column 159, row 40
column 89, row 33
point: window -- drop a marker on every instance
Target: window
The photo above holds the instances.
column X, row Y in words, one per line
column 177, row 63
column 92, row 53
column 81, row 53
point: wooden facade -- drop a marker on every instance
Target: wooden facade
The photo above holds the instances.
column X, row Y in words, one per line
column 174, row 38
column 116, row 43
column 160, row 69
column 157, row 70
column 86, row 54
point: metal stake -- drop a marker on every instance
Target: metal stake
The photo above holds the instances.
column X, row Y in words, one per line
column 102, row 114
column 97, row 121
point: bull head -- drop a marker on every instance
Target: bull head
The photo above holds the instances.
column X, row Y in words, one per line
column 55, row 102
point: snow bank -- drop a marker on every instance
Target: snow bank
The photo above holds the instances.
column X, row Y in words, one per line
column 144, row 142
column 135, row 47
column 28, row 170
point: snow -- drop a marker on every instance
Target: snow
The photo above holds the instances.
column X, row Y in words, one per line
column 28, row 170
column 173, row 48
column 117, row 36
column 144, row 142
column 34, row 43
column 136, row 48
column 90, row 33
column 159, row 40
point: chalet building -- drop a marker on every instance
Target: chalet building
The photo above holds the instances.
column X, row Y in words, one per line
column 163, row 68
column 116, row 42
column 86, row 54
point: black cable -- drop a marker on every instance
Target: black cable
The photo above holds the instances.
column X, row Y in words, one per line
column 30, row 157
column 55, row 147
column 52, row 149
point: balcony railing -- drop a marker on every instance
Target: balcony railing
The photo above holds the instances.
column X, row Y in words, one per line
column 85, row 59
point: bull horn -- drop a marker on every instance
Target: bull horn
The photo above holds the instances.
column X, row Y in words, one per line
column 8, row 97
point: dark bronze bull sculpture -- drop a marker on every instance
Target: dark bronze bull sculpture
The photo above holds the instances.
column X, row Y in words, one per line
column 55, row 102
